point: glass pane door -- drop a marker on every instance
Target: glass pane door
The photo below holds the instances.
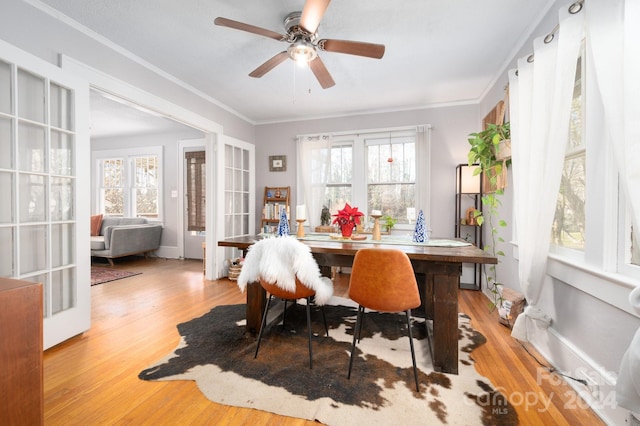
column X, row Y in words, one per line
column 38, row 182
column 236, row 191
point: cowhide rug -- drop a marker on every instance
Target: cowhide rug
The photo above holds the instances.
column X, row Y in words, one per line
column 218, row 354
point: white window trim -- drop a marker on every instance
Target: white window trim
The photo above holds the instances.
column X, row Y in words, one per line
column 129, row 154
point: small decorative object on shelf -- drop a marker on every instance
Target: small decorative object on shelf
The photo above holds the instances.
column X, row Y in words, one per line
column 347, row 219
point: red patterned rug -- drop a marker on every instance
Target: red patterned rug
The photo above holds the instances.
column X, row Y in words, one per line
column 104, row 275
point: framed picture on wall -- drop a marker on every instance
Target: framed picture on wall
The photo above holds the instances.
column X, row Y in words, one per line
column 277, row 163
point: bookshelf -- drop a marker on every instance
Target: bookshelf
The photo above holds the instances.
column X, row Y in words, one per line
column 469, row 191
column 276, row 198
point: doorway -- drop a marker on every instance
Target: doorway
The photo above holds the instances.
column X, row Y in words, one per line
column 194, row 190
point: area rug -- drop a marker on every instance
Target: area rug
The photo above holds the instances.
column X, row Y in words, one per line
column 103, row 275
column 217, row 352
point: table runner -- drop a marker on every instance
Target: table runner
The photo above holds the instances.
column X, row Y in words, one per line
column 387, row 239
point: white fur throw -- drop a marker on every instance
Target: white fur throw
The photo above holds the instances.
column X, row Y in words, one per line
column 279, row 260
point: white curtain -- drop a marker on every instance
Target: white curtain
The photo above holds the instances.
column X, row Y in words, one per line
column 314, row 160
column 541, row 95
column 613, row 35
column 423, row 173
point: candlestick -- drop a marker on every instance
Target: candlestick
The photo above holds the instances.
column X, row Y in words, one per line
column 376, row 225
column 301, row 212
column 300, row 233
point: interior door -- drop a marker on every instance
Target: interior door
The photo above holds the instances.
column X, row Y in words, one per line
column 44, row 173
column 194, row 195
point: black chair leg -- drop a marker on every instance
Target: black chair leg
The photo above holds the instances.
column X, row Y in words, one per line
column 309, row 332
column 413, row 354
column 284, row 313
column 360, row 308
column 324, row 318
column 264, row 320
column 356, row 333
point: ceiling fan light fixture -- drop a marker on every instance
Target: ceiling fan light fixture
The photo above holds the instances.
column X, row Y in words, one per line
column 302, row 52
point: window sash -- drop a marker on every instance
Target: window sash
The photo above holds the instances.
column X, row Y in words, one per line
column 144, row 191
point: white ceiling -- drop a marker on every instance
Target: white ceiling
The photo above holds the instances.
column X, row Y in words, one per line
column 438, row 52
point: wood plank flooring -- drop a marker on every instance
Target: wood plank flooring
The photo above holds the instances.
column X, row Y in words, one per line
column 91, row 379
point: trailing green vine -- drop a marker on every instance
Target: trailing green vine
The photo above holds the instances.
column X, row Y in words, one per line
column 484, row 146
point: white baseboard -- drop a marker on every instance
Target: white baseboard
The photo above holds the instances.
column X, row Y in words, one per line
column 167, row 252
column 600, row 392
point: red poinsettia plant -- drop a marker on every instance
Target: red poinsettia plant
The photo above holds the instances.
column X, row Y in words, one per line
column 348, row 215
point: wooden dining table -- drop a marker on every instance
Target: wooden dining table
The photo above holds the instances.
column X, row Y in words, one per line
column 437, row 265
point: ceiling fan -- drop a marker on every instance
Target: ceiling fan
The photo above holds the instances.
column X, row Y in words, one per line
column 303, row 42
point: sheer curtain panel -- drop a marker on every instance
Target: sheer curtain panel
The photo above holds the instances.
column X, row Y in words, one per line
column 613, row 35
column 541, row 94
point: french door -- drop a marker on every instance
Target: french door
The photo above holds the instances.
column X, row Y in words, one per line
column 44, row 153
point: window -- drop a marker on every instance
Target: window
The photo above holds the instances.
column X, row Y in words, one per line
column 339, row 188
column 600, row 236
column 112, row 191
column 145, row 191
column 569, row 222
column 371, row 171
column 129, row 183
column 392, row 176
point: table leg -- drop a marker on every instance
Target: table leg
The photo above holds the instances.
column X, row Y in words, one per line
column 256, row 303
column 445, row 323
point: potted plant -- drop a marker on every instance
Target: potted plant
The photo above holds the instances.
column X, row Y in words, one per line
column 491, row 149
column 347, row 219
column 485, row 152
column 389, row 222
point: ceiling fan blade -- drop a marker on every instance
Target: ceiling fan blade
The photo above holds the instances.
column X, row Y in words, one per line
column 370, row 50
column 321, row 73
column 224, row 22
column 312, row 14
column 269, row 65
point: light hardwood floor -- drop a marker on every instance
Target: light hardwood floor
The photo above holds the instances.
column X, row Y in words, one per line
column 91, row 379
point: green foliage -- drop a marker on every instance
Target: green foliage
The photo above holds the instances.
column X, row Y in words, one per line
column 483, row 149
column 484, row 145
column 389, row 222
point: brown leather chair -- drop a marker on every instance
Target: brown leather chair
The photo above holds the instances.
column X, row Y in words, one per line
column 383, row 280
column 301, row 292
